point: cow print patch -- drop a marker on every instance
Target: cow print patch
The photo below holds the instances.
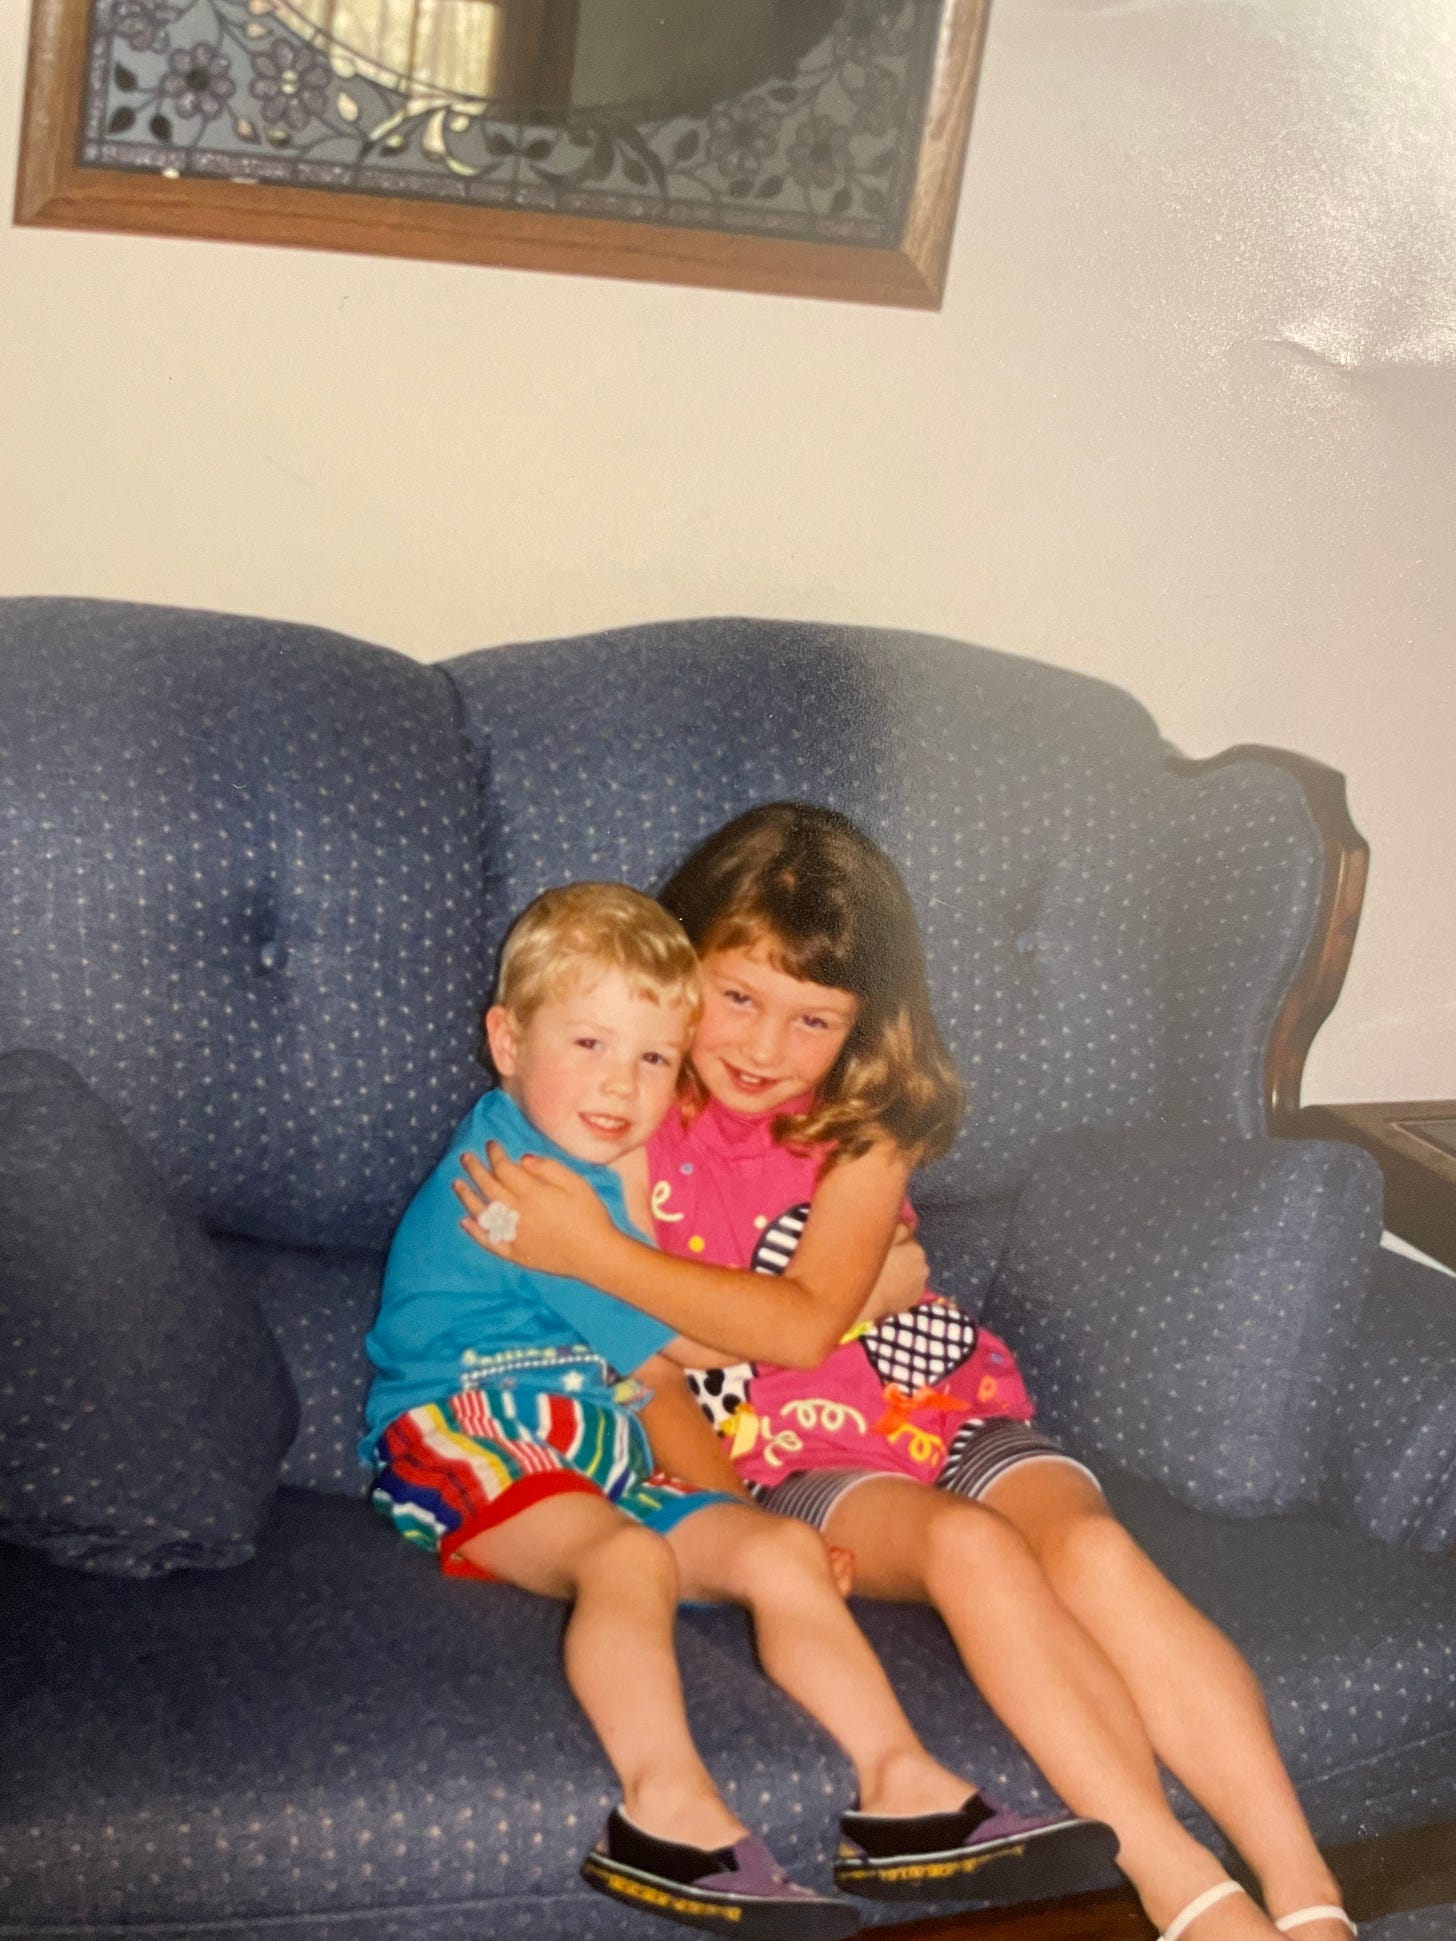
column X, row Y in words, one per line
column 720, row 1392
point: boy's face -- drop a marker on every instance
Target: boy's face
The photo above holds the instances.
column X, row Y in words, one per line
column 594, row 1068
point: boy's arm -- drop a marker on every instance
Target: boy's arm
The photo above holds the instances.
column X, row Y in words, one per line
column 683, row 1445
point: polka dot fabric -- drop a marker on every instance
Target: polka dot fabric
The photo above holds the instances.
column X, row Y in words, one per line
column 1240, row 871
column 319, row 1307
column 1179, row 1305
column 240, row 873
column 254, row 877
column 348, row 1730
column 349, row 1741
column 981, row 774
column 1415, row 1924
column 144, row 1406
column 1391, row 1467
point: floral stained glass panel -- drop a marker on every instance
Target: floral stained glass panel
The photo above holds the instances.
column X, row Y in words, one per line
column 796, row 119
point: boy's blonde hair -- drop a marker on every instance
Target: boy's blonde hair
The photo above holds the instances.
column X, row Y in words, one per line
column 605, row 925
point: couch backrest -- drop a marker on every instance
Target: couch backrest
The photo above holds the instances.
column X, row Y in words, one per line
column 255, row 877
column 1057, row 866
column 241, row 890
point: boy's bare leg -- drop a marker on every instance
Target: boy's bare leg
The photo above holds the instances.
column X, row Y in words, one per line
column 683, row 1444
column 1045, row 1678
column 811, row 1647
column 622, row 1583
column 1201, row 1704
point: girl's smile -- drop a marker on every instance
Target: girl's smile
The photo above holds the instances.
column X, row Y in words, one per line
column 766, row 1037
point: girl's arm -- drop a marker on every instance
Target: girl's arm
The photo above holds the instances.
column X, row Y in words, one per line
column 794, row 1318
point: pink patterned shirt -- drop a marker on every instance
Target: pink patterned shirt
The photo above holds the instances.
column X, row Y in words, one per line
column 889, row 1397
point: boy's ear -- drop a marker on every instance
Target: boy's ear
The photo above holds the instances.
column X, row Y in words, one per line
column 503, row 1039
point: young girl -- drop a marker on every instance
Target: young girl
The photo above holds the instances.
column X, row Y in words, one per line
column 821, row 1080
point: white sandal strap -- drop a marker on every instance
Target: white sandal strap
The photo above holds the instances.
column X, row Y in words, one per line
column 1302, row 1917
column 1210, row 1897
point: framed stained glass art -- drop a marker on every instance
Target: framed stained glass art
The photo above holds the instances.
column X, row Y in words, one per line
column 806, row 147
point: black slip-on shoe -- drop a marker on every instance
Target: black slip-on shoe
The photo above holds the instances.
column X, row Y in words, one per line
column 739, row 1889
column 984, row 1852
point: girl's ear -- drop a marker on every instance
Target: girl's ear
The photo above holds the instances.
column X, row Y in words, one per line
column 504, row 1040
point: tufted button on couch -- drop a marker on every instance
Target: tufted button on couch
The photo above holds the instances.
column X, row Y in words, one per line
column 254, row 878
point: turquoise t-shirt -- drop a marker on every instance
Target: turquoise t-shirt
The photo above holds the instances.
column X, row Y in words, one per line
column 452, row 1316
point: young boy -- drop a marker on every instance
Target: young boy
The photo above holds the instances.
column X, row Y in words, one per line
column 505, row 1430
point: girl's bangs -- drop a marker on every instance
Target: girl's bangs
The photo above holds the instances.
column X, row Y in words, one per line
column 814, row 958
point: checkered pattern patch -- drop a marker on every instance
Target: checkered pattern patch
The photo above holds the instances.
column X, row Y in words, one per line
column 921, row 1347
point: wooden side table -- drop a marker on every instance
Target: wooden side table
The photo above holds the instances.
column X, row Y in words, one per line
column 1415, row 1145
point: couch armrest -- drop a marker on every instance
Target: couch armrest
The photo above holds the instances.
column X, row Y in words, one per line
column 1181, row 1304
column 1390, row 1468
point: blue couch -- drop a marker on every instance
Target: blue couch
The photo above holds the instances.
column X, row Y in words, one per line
column 254, row 879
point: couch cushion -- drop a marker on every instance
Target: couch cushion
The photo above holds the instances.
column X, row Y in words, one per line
column 1352, row 1643
column 241, row 864
column 344, row 1728
column 1391, row 1465
column 144, row 1406
column 335, row 1727
column 1180, row 1304
column 319, row 1307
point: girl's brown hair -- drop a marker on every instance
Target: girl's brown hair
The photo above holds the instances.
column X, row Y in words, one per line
column 833, row 910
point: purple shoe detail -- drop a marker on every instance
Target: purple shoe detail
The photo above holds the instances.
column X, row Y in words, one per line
column 755, row 1872
column 739, row 1890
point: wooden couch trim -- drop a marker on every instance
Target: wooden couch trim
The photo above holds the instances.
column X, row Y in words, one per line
column 1321, row 973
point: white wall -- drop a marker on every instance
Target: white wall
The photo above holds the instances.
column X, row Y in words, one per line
column 1187, row 420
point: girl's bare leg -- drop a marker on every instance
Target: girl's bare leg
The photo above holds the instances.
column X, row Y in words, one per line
column 1044, row 1677
column 1201, row 1704
column 811, row 1647
column 622, row 1584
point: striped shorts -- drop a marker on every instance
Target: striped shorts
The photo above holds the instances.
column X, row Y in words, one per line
column 450, row 1470
column 980, row 1454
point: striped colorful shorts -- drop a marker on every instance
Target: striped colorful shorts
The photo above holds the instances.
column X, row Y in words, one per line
column 450, row 1470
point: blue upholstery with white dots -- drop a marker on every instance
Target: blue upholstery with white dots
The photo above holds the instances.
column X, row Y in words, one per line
column 346, row 1730
column 319, row 1305
column 240, row 881
column 980, row 773
column 144, row 1405
column 1415, row 1924
column 254, row 877
column 1180, row 1304
column 1241, row 866
column 1391, row 1466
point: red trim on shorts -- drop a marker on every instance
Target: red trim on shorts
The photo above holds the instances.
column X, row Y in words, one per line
column 516, row 1498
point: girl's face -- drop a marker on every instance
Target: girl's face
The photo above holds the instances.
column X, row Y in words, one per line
column 766, row 1037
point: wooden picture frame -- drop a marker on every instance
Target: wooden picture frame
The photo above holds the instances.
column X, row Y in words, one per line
column 55, row 188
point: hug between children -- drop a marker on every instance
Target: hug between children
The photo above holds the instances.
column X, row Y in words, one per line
column 681, row 1347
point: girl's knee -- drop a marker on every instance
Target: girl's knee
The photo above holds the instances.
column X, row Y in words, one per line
column 962, row 1540
column 1087, row 1544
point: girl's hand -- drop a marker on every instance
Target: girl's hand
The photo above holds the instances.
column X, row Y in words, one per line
column 902, row 1282
column 561, row 1225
